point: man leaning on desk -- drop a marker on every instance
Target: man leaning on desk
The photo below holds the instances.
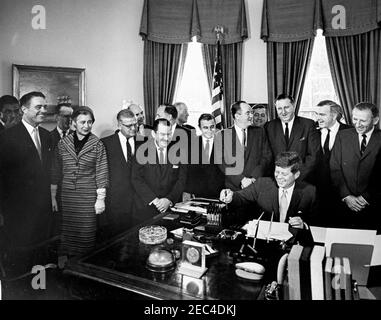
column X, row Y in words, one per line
column 290, row 200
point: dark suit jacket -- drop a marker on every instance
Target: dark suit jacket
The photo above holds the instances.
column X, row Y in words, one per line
column 264, row 192
column 204, row 180
column 153, row 180
column 54, row 137
column 25, row 198
column 2, row 127
column 324, row 174
column 255, row 161
column 351, row 172
column 120, row 193
column 304, row 139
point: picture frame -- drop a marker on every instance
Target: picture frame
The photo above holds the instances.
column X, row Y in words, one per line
column 58, row 84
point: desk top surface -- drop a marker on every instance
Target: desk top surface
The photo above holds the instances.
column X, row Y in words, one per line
column 121, row 262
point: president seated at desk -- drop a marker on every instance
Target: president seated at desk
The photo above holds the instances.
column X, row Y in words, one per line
column 288, row 199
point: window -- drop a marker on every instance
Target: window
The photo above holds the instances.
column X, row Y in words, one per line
column 194, row 89
column 319, row 84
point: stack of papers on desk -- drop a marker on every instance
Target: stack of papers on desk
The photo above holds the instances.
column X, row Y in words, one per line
column 197, row 206
column 278, row 230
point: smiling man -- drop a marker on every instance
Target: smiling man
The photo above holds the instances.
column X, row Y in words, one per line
column 24, row 187
column 291, row 200
column 158, row 181
column 292, row 133
column 328, row 114
column 354, row 162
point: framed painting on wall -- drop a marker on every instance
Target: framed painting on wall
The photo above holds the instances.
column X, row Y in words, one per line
column 58, row 84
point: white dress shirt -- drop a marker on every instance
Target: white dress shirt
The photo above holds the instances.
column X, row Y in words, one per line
column 332, row 134
column 240, row 133
column 290, row 190
column 123, row 143
column 30, row 129
column 368, row 135
column 290, row 124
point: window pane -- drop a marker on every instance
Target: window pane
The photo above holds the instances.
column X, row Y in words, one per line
column 318, row 85
column 193, row 89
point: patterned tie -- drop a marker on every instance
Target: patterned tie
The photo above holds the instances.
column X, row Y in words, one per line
column 363, row 144
column 161, row 156
column 326, row 143
column 283, row 206
column 205, row 156
column 129, row 150
column 37, row 142
column 286, row 134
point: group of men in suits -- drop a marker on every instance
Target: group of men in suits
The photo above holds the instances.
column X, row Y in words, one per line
column 341, row 161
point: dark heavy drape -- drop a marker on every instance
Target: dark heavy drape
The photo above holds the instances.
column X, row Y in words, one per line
column 287, row 64
column 355, row 63
column 231, row 72
column 163, row 65
column 177, row 21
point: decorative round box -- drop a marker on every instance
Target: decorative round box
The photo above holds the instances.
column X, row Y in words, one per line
column 160, row 260
column 152, row 234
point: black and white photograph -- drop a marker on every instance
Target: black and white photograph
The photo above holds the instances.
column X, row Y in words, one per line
column 250, row 129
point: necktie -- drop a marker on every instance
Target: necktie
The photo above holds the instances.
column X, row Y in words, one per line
column 286, row 134
column 283, row 206
column 129, row 151
column 326, row 143
column 205, row 158
column 63, row 134
column 363, row 144
column 244, row 137
column 37, row 142
column 161, row 156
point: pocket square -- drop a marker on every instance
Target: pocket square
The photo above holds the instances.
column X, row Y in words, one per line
column 302, row 138
column 175, row 166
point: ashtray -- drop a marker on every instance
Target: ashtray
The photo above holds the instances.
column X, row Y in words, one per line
column 160, row 260
column 152, row 234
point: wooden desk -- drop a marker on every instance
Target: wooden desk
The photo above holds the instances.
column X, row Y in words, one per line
column 121, row 263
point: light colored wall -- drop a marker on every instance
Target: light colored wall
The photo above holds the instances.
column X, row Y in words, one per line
column 103, row 37
column 100, row 36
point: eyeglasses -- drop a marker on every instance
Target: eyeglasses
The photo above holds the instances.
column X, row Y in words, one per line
column 129, row 126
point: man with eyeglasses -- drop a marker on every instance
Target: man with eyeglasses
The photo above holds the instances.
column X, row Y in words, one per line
column 63, row 119
column 120, row 148
column 10, row 113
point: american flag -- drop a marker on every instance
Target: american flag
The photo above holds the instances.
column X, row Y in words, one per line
column 217, row 93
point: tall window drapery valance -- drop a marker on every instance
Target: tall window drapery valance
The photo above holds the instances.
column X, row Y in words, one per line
column 295, row 20
column 177, row 21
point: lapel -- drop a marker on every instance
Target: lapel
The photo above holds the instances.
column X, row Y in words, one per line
column 118, row 148
column 29, row 144
column 296, row 129
column 354, row 146
column 279, row 133
column 89, row 145
column 45, row 145
column 275, row 201
column 295, row 199
column 371, row 144
column 68, row 144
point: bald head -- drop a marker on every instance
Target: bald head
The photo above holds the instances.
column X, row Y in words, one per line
column 138, row 112
column 182, row 113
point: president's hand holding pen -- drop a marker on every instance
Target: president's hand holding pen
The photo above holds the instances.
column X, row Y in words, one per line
column 226, row 195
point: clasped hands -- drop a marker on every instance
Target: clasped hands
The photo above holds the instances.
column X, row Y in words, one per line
column 245, row 182
column 356, row 204
column 161, row 204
